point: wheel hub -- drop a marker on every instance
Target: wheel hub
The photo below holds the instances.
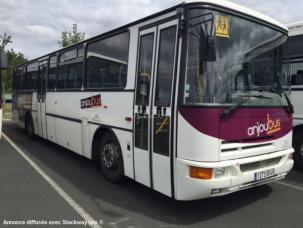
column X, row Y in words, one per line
column 301, row 150
column 108, row 155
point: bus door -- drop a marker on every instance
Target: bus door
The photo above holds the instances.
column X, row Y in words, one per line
column 153, row 102
column 41, row 95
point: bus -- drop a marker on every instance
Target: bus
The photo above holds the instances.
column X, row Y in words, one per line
column 188, row 101
column 294, row 57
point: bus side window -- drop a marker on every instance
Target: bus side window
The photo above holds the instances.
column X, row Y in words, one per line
column 293, row 79
column 70, row 72
column 107, row 62
column 22, row 80
column 62, row 75
column 297, row 79
column 52, row 73
column 144, row 69
column 74, row 77
column 70, row 76
column 18, row 79
column 32, row 76
column 31, row 80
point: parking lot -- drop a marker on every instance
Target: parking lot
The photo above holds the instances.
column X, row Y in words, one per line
column 54, row 184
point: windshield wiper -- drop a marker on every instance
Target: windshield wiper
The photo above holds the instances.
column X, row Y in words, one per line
column 279, row 90
column 228, row 111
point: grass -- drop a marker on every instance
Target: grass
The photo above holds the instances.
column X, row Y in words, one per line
column 7, row 111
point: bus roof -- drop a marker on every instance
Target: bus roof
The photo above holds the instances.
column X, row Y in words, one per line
column 219, row 3
column 295, row 28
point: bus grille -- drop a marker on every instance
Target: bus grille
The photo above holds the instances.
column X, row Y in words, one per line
column 240, row 147
column 260, row 164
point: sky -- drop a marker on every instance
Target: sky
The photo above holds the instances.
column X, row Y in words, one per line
column 36, row 25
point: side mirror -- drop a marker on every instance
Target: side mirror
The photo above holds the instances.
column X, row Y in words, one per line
column 207, row 51
column 210, row 49
column 3, row 60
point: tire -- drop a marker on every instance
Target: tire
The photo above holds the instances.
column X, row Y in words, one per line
column 110, row 158
column 29, row 127
column 298, row 146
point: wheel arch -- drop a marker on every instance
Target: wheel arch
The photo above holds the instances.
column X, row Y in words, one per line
column 99, row 133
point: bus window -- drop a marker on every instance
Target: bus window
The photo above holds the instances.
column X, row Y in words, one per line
column 296, row 72
column 297, row 79
column 70, row 76
column 107, row 62
column 80, row 52
column 32, row 76
column 70, row 70
column 165, row 67
column 74, row 78
column 144, row 69
column 52, row 73
column 19, row 79
column 68, row 55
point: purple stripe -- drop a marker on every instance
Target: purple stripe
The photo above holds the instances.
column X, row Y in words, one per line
column 252, row 124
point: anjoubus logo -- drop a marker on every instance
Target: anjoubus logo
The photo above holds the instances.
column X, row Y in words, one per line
column 91, row 102
column 270, row 127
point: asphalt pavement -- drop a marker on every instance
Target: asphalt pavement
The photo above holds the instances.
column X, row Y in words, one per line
column 25, row 195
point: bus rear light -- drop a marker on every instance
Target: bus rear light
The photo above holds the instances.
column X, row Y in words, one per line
column 200, row 173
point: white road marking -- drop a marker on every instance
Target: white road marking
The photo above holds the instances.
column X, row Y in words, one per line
column 290, row 185
column 118, row 221
column 90, row 221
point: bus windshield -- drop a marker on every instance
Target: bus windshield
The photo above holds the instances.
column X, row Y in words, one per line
column 229, row 58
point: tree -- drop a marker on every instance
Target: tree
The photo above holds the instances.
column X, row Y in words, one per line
column 14, row 59
column 5, row 40
column 71, row 37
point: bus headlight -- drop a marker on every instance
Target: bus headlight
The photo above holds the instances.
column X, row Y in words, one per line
column 219, row 172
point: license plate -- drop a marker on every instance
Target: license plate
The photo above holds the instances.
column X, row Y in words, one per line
column 264, row 174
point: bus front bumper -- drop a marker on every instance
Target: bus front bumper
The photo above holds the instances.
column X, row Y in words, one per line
column 238, row 174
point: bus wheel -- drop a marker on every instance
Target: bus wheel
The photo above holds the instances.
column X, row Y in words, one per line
column 29, row 126
column 298, row 146
column 110, row 159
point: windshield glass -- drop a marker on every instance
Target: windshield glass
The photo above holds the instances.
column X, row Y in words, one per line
column 229, row 58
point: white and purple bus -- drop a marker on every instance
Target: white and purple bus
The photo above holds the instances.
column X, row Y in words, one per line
column 188, row 101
